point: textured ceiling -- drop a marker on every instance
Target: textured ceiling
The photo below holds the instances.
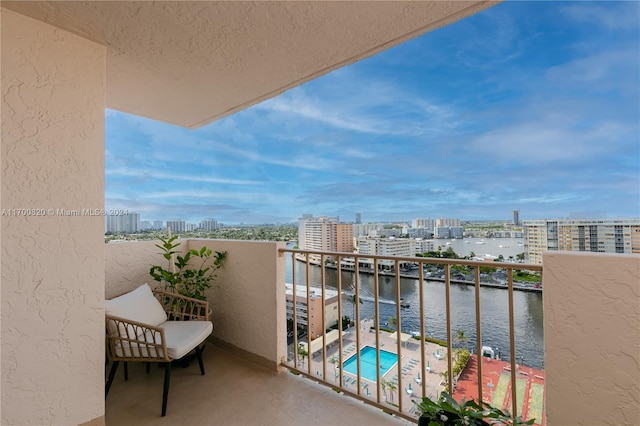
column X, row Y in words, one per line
column 190, row 63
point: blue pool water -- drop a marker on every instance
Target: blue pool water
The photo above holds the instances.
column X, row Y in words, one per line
column 368, row 363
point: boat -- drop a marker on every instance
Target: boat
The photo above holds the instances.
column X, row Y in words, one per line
column 404, row 303
column 487, row 351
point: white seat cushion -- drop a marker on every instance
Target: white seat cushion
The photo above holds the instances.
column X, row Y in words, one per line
column 181, row 338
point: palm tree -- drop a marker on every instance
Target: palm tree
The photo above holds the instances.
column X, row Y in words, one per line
column 392, row 387
column 334, row 360
column 392, row 321
column 352, row 299
column 383, row 385
column 445, row 379
column 462, row 337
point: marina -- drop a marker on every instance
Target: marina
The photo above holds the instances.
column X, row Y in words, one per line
column 529, row 337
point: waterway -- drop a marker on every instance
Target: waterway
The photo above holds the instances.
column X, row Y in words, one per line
column 507, row 247
column 529, row 338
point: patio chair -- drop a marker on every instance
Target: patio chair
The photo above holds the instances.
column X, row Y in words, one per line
column 141, row 327
column 409, row 390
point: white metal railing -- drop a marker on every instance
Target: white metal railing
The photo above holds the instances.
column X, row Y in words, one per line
column 410, row 376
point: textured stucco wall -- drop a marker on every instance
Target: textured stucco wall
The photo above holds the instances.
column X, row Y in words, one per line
column 592, row 338
column 52, row 264
column 248, row 304
column 127, row 265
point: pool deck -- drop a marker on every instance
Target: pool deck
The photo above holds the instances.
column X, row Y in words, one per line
column 403, row 375
column 496, row 376
column 496, row 387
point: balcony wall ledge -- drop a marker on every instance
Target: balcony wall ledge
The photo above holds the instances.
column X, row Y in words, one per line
column 592, row 344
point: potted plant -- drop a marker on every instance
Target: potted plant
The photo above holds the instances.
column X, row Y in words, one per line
column 447, row 411
column 181, row 277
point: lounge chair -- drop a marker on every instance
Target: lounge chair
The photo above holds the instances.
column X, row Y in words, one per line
column 138, row 330
column 409, row 390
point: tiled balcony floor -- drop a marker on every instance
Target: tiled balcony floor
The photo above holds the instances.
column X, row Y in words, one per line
column 233, row 392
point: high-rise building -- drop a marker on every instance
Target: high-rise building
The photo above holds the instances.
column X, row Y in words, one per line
column 516, row 217
column 124, row 223
column 427, row 223
column 302, row 241
column 324, row 234
column 358, row 218
column 601, row 236
column 177, row 226
column 158, row 224
column 209, row 225
column 442, row 222
column 365, row 229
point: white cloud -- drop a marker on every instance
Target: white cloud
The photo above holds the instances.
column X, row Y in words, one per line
column 152, row 174
column 624, row 16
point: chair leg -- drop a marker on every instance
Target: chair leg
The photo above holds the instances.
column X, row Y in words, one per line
column 148, row 366
column 199, row 355
column 126, row 370
column 112, row 374
column 165, row 392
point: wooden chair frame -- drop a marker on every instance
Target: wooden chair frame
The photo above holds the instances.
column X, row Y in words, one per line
column 131, row 341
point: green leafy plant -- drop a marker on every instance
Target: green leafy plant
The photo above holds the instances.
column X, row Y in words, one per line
column 302, row 352
column 182, row 278
column 447, row 411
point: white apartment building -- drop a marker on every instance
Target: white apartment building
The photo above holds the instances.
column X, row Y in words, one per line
column 127, row 223
column 324, row 234
column 403, row 247
column 448, row 232
column 427, row 223
column 177, row 226
column 423, row 246
column 365, row 229
column 595, row 235
column 443, row 222
column 209, row 225
column 418, row 232
column 311, row 315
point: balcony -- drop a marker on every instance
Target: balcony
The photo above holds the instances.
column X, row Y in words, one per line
column 585, row 342
column 233, row 391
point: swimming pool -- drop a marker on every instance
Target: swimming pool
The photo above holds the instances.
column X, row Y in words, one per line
column 368, row 363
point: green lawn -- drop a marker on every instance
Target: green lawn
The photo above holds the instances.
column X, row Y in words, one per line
column 537, row 400
column 501, row 391
column 521, row 384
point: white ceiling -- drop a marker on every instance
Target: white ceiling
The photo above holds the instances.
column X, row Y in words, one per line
column 190, row 63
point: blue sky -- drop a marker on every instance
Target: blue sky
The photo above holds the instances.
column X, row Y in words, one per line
column 528, row 105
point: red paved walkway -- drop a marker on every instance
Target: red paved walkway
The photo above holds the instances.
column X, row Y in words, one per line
column 496, row 387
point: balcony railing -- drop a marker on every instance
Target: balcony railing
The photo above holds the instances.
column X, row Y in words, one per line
column 397, row 362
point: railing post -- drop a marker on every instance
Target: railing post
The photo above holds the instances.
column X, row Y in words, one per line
column 478, row 332
column 422, row 330
column 294, row 315
column 447, row 283
column 512, row 346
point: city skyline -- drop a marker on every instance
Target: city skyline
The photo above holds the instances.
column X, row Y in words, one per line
column 529, row 106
